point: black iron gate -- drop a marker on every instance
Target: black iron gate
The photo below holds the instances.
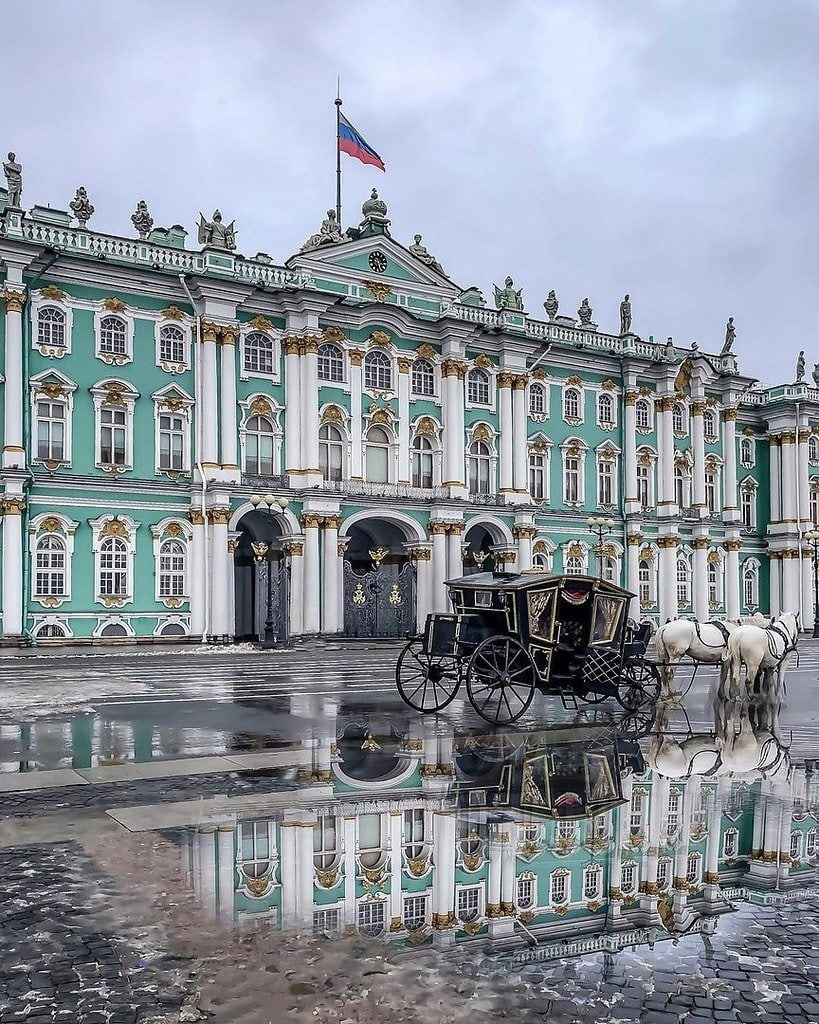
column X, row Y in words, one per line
column 280, row 594
column 381, row 601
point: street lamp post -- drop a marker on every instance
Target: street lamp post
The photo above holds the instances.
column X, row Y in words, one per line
column 813, row 537
column 263, row 551
column 600, row 527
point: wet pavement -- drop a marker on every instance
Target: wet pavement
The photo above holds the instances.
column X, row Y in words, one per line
column 368, row 864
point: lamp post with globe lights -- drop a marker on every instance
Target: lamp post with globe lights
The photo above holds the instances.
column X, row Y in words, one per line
column 813, row 537
column 600, row 527
column 263, row 552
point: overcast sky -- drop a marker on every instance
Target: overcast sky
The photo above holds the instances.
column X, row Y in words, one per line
column 667, row 149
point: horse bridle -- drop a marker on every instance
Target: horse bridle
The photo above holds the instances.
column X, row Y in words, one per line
column 790, row 645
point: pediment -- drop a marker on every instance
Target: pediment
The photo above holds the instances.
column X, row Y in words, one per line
column 360, row 259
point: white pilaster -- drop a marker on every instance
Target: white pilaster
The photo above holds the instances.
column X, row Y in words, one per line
column 404, row 366
column 210, row 398
column 630, row 447
column 206, row 862
column 523, row 535
column 13, row 565
column 309, row 410
column 292, row 407
column 666, row 506
column 330, row 568
column 437, row 530
column 775, row 478
column 198, row 596
column 288, row 867
column 356, row 384
column 455, row 561
column 453, row 415
column 791, row 583
column 295, row 549
column 729, row 454
column 700, row 568
column 633, row 571
column 775, row 587
column 227, row 412
column 310, row 523
column 698, row 449
column 424, row 604
column 788, row 456
column 396, row 864
column 521, row 475
column 221, row 573
column 506, row 428
column 806, row 568
column 732, row 596
column 13, row 453
column 802, row 475
column 668, row 580
column 227, row 874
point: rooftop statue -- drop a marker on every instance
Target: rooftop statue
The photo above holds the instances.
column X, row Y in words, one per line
column 215, row 234
column 625, row 315
column 14, row 180
column 141, row 219
column 815, row 374
column 585, row 312
column 551, row 305
column 81, row 206
column 420, row 252
column 329, row 233
column 800, row 368
column 508, row 297
column 730, row 337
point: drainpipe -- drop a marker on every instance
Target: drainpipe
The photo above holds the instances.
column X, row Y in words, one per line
column 26, row 567
column 197, row 371
column 799, row 526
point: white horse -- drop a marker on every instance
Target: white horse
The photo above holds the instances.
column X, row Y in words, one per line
column 702, row 641
column 761, row 648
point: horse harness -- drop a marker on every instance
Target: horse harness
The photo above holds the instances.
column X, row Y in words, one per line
column 720, row 626
column 789, row 645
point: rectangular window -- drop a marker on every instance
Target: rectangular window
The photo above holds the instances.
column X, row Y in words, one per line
column 692, row 868
column 113, row 436
column 672, row 823
column 572, row 480
column 526, row 893
column 469, row 903
column 415, row 912
column 591, row 883
column 559, row 888
column 636, row 816
column 171, row 442
column 605, row 483
column 711, row 491
column 51, row 431
column 628, row 878
column 326, row 921
column 537, row 476
column 731, row 844
column 643, row 487
column 371, row 918
column 663, row 874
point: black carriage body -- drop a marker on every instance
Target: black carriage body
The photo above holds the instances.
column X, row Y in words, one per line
column 574, row 627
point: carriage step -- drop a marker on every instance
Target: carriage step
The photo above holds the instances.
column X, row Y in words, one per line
column 569, row 698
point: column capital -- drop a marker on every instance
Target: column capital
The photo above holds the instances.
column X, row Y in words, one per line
column 630, row 397
column 209, row 331
column 520, row 382
column 309, row 345
column 229, row 332
column 219, row 516
column 729, row 414
column 667, row 542
column 437, row 526
column 331, row 522
column 634, row 539
column 311, row 520
column 356, row 356
column 453, row 368
column 700, row 543
column 14, row 300
column 404, row 364
column 291, row 346
column 787, row 437
column 698, row 407
column 196, row 517
column 13, row 506
column 523, row 530
column 293, row 547
column 505, row 379
column 457, row 527
column 730, row 545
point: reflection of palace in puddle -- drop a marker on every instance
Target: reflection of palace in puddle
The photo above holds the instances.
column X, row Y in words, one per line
column 548, row 838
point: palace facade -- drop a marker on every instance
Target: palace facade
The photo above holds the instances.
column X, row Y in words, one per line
column 397, row 431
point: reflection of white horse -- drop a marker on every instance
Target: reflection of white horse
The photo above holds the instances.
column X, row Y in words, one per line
column 701, row 641
column 761, row 649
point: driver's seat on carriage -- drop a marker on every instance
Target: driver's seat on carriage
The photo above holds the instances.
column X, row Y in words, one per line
column 637, row 641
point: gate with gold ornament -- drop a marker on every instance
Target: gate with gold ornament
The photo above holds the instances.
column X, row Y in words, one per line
column 380, row 602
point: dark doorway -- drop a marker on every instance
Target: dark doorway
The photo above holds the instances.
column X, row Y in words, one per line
column 379, row 582
column 250, row 576
column 479, row 556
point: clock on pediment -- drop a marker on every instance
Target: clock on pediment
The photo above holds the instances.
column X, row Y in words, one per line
column 377, row 261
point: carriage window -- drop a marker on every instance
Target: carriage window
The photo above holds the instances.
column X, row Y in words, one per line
column 606, row 619
column 540, row 613
column 600, row 784
column 483, row 598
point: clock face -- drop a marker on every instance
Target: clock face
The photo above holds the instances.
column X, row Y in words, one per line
column 377, row 262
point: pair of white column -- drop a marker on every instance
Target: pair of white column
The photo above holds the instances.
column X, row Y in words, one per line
column 219, row 432
column 13, row 457
column 453, row 415
column 666, row 506
column 668, row 582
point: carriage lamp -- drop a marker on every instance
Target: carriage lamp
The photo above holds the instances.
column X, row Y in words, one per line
column 600, row 527
column 813, row 537
column 264, row 551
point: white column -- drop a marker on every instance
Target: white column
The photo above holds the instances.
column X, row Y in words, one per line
column 790, row 580
column 341, row 547
column 806, row 565
column 729, row 455
column 227, row 876
column 508, row 876
column 227, row 411
column 493, row 905
column 775, row 586
column 633, row 572
column 13, row 565
column 455, row 561
column 13, row 453
column 443, row 882
column 521, row 455
column 666, row 506
column 630, row 445
column 424, row 603
column 396, row 865
column 506, row 433
column 453, row 415
column 221, row 573
column 289, row 875
column 330, row 567
column 404, row 366
column 523, row 534
column 731, row 581
column 440, row 599
column 788, row 456
column 295, row 550
column 350, row 872
column 210, row 400
column 775, row 477
column 700, row 568
column 668, row 579
column 310, row 523
column 206, row 862
column 197, row 573
column 304, row 863
column 308, row 410
column 292, row 406
column 356, row 454
column 802, row 474
column 698, row 451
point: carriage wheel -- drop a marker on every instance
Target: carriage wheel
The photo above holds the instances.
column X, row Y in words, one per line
column 639, row 685
column 500, row 679
column 638, row 722
column 427, row 682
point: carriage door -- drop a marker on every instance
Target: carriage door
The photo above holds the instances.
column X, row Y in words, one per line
column 379, row 582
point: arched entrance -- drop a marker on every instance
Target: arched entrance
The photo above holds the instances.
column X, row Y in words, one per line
column 251, row 569
column 379, row 581
column 478, row 556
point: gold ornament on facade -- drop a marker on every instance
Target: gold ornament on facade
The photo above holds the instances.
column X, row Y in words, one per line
column 417, row 866
column 575, row 550
column 404, row 364
column 630, row 398
column 172, row 404
column 114, row 305
column 472, row 927
column 593, row 906
column 505, row 380
column 561, row 910
column 115, row 528
column 113, row 602
column 380, row 290
column 453, row 368
column 378, row 554
column 232, row 545
column 53, row 293
column 425, row 426
column 327, row 879
column 520, row 382
column 229, row 334
column 699, row 543
column 173, row 313
column 540, row 548
column 293, row 547
column 172, row 602
column 219, row 516
column 426, row 351
column 734, row 545
column 356, row 356
column 483, row 362
column 481, row 432
column 261, row 323
column 358, row 594
column 729, row 415
column 291, row 346
column 173, row 530
column 417, row 937
column 471, row 861
column 260, row 407
column 381, row 339
column 396, row 924
column 381, row 416
column 395, row 595
column 539, row 373
column 209, row 330
column 574, row 381
column 714, row 558
column 311, row 520
column 196, row 517
column 259, row 549
column 608, row 385
column 52, row 390
column 698, row 407
column 375, row 876
column 440, row 922
column 333, row 334
column 332, row 414
column 309, row 345
column 530, row 848
column 257, row 886
column 51, row 525
column 436, row 526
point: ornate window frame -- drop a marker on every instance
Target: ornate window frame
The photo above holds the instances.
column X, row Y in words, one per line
column 573, row 384
column 56, row 298
column 173, row 317
column 261, row 325
column 124, row 528
column 332, row 415
column 461, row 887
column 327, row 382
column 607, row 452
column 475, row 372
column 648, row 555
column 385, row 350
column 575, row 550
column 544, row 387
column 117, row 309
column 562, row 904
column 683, row 583
column 391, row 447
column 648, row 427
column 646, row 459
column 42, row 622
column 748, row 489
column 252, row 885
column 418, row 396
column 114, row 393
column 482, row 431
column 427, row 427
column 749, row 573
column 260, row 404
column 170, row 529
column 540, row 446
column 104, row 621
column 713, row 468
column 175, row 401
column 531, row 904
column 52, row 386
column 51, row 524
column 574, row 448
column 750, row 442
column 715, row 578
column 607, row 390
column 680, row 428
column 710, row 415
column 543, row 551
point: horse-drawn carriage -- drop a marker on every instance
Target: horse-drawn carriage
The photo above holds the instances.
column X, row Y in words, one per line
column 513, row 634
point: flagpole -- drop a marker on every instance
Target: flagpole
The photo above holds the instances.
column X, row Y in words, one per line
column 338, row 152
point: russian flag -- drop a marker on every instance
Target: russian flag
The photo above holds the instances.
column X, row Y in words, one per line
column 351, row 143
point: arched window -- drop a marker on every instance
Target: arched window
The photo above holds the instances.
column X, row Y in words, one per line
column 730, row 844
column 258, row 350
column 114, row 630
column 709, row 425
column 171, row 344
column 571, row 404
column 663, row 873
column 172, row 629
column 678, row 418
column 645, row 579
column 51, row 631
column 642, row 414
column 628, row 879
column 49, row 567
column 378, row 455
column 692, row 868
column 592, row 878
column 51, row 327
column 330, row 363
column 712, row 488
column 575, row 565
column 259, row 441
column 113, row 335
column 254, row 849
column 813, row 498
column 605, row 410
column 537, row 400
column 526, row 891
column 750, row 584
column 370, row 842
column 608, row 568
column 813, row 448
column 377, row 371
column 682, row 485
column 714, row 585
column 573, row 492
column 538, row 475
column 480, row 467
column 477, row 387
column 747, row 501
column 331, row 452
column 746, row 452
column 172, row 569
column 325, row 843
column 559, row 888
column 541, row 560
column 113, row 568
column 811, row 844
column 683, row 582
column 422, row 461
column 423, row 378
